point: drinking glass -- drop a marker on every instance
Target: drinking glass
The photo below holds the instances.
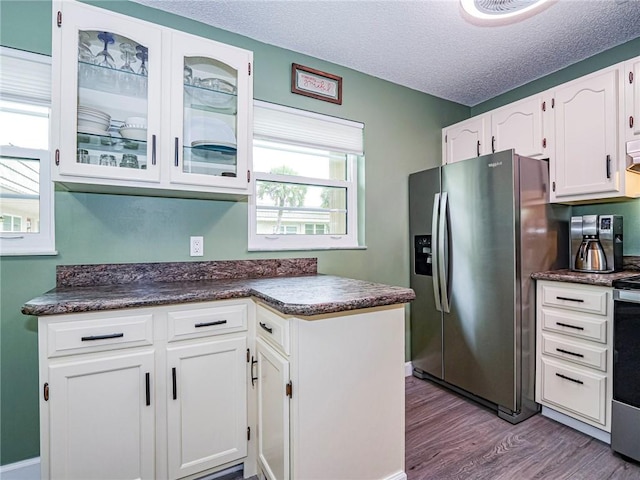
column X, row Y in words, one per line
column 142, row 55
column 108, row 160
column 107, row 59
column 128, row 55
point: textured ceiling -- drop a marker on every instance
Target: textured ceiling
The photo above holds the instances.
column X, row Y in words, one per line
column 426, row 45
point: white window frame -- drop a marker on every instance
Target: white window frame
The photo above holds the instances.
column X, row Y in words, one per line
column 301, row 241
column 43, row 242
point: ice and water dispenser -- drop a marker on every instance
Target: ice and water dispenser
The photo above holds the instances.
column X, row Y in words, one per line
column 423, row 255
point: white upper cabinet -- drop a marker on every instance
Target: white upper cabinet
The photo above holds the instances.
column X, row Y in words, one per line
column 139, row 108
column 580, row 126
column 465, row 140
column 210, row 104
column 588, row 161
column 99, row 84
column 632, row 99
column 520, row 126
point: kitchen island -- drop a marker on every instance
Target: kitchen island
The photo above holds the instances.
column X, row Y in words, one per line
column 264, row 364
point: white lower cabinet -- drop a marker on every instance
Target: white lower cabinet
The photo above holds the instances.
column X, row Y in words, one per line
column 331, row 395
column 574, row 351
column 273, row 411
column 101, row 420
column 144, row 393
column 207, row 421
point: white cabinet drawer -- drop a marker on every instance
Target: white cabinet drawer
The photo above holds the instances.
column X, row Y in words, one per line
column 204, row 322
column 590, row 355
column 577, row 390
column 589, row 327
column 583, row 300
column 273, row 328
column 99, row 334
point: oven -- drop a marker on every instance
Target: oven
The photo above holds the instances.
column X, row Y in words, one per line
column 625, row 409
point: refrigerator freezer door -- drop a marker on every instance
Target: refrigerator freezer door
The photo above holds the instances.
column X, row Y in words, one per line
column 426, row 319
column 479, row 333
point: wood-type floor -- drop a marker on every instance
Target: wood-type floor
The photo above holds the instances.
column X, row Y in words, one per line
column 448, row 437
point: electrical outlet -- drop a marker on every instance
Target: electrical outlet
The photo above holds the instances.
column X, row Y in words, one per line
column 196, row 246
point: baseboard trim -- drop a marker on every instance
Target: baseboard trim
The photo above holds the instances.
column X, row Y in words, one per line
column 408, row 369
column 398, row 476
column 576, row 424
column 23, row 470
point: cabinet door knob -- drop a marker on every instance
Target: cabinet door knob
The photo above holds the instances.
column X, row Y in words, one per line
column 608, row 166
column 631, row 121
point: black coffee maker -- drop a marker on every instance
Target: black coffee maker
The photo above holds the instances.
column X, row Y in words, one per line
column 596, row 243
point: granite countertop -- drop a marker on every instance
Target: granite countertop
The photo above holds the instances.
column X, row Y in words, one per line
column 303, row 295
column 600, row 279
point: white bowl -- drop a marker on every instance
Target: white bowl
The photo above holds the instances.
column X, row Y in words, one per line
column 132, row 133
column 138, row 122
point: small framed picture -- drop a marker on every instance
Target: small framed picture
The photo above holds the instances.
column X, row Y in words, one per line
column 316, row 84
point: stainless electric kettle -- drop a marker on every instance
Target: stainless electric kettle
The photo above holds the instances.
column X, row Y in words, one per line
column 591, row 256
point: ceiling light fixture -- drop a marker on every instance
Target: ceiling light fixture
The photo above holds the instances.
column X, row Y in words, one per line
column 501, row 11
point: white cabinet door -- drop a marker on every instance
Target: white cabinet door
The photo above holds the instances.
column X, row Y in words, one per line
column 107, row 72
column 207, row 404
column 465, row 140
column 101, row 414
column 273, row 412
column 632, row 98
column 210, row 112
column 519, row 126
column 587, row 157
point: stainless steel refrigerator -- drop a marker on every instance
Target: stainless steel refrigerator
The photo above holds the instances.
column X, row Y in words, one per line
column 479, row 228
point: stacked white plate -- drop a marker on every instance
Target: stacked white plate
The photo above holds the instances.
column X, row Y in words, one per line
column 92, row 120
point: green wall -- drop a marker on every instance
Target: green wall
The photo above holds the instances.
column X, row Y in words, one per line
column 402, row 135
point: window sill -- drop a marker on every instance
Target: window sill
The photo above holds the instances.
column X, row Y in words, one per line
column 28, row 253
column 286, row 248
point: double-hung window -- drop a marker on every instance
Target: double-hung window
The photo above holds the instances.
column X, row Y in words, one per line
column 306, row 180
column 26, row 191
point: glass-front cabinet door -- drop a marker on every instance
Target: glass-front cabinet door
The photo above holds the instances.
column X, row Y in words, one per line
column 110, row 96
column 211, row 113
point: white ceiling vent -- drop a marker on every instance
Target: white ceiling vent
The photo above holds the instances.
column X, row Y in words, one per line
column 501, row 11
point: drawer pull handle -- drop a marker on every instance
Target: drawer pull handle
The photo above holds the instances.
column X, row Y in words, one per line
column 175, row 383
column 209, row 324
column 579, row 300
column 264, row 326
column 148, row 388
column 253, row 379
column 569, row 326
column 102, row 337
column 569, row 378
column 569, row 353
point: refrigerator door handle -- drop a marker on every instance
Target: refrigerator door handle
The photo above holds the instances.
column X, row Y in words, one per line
column 435, row 246
column 443, row 254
